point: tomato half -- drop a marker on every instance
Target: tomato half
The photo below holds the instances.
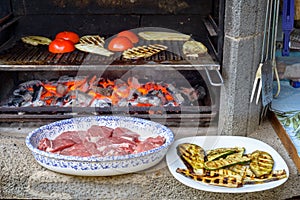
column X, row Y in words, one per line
column 61, row 46
column 68, row 35
column 130, row 35
column 119, row 44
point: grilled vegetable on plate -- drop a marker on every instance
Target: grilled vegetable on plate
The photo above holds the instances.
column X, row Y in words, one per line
column 230, row 164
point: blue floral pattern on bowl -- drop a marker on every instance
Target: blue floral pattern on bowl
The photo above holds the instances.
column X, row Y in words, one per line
column 100, row 166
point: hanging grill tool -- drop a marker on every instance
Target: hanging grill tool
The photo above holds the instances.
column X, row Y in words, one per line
column 268, row 63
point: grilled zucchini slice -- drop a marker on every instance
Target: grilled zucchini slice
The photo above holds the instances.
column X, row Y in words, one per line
column 218, row 164
column 243, row 170
column 240, row 152
column 193, row 156
column 225, row 180
column 36, row 40
column 261, row 163
column 220, row 153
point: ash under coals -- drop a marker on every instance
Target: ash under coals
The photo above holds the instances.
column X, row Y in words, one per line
column 86, row 91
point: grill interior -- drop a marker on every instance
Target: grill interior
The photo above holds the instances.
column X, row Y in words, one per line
column 21, row 62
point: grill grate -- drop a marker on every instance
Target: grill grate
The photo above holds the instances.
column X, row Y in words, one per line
column 28, row 56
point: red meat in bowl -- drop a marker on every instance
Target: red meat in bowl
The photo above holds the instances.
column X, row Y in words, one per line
column 112, row 159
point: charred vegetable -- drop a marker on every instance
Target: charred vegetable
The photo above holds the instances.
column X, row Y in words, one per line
column 192, row 156
column 220, row 153
column 228, row 167
column 261, row 163
column 240, row 152
column 218, row 164
column 274, row 176
column 232, row 181
column 36, row 40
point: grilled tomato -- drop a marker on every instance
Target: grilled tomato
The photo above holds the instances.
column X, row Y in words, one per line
column 130, row 35
column 120, row 43
column 68, row 35
column 61, row 46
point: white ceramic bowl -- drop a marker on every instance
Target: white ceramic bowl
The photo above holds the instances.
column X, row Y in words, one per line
column 100, row 166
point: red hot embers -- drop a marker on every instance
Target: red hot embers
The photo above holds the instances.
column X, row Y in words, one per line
column 85, row 91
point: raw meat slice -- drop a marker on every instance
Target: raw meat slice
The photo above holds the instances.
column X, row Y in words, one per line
column 157, row 141
column 116, row 144
column 76, row 150
column 55, row 145
column 44, row 144
column 100, row 131
column 149, row 143
column 125, row 133
column 115, row 150
column 83, row 149
column 76, row 136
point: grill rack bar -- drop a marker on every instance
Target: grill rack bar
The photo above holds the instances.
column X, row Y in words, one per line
column 24, row 57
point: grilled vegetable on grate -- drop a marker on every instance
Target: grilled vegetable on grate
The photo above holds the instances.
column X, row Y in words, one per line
column 261, row 163
column 158, row 35
column 36, row 40
column 192, row 156
column 232, row 181
column 143, row 51
column 92, row 39
column 193, row 48
column 91, row 48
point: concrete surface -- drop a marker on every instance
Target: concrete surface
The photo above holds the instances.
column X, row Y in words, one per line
column 22, row 177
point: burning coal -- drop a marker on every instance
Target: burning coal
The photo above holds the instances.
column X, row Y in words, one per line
column 85, row 91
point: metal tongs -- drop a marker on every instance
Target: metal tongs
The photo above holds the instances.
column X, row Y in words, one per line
column 269, row 41
column 263, row 56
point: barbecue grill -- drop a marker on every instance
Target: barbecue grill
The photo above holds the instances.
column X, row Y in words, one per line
column 20, row 62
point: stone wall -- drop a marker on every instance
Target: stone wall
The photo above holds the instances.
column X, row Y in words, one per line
column 243, row 34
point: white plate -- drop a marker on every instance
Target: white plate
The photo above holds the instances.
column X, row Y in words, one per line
column 212, row 142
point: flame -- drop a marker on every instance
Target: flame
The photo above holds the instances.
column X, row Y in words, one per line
column 100, row 88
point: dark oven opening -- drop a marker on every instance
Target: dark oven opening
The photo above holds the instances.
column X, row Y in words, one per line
column 180, row 88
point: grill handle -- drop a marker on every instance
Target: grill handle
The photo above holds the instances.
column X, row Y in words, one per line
column 210, row 79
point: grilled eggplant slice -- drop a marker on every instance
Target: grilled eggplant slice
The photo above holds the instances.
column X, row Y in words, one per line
column 91, row 48
column 273, row 176
column 160, row 35
column 143, row 51
column 221, row 163
column 232, row 181
column 92, row 39
column 36, row 40
column 220, row 153
column 193, row 157
column 243, row 170
column 261, row 163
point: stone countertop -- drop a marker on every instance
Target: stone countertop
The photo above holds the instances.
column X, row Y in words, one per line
column 22, row 177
